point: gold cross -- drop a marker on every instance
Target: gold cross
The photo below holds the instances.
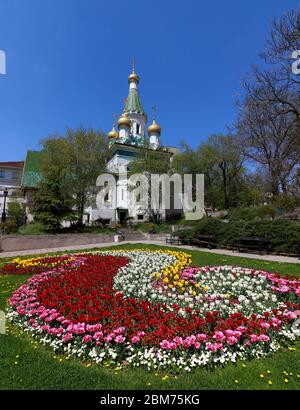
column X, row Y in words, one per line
column 133, row 65
column 115, row 119
column 154, row 111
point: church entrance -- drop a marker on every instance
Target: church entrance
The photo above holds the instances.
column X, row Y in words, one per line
column 122, row 215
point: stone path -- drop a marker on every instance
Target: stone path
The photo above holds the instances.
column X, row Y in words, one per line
column 269, row 258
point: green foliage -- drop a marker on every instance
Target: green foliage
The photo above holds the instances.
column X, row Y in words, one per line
column 15, row 217
column 8, row 227
column 284, row 236
column 250, row 213
column 34, row 228
column 52, row 205
column 70, row 167
column 221, row 161
column 286, row 203
column 15, row 212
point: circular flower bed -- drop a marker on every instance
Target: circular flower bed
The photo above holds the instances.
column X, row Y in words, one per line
column 152, row 308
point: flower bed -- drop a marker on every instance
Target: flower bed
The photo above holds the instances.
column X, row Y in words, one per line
column 153, row 308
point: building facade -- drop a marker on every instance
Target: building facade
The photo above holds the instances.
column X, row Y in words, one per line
column 10, row 183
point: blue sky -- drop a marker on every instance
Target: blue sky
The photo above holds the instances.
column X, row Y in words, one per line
column 68, row 62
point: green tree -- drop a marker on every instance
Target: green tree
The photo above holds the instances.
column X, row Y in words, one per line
column 87, row 156
column 70, row 166
column 52, row 201
column 221, row 161
column 51, row 205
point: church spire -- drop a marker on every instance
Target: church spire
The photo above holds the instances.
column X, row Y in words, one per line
column 133, row 103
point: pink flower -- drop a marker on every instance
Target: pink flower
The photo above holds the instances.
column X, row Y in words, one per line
column 119, row 339
column 119, row 331
column 254, row 338
column 229, row 332
column 164, row 344
column 211, row 347
column 265, row 325
column 98, row 335
column 201, row 336
column 232, row 340
column 87, row 338
column 108, row 338
column 275, row 322
column 172, row 345
column 178, row 340
column 135, row 339
column 67, row 337
column 219, row 336
column 264, row 338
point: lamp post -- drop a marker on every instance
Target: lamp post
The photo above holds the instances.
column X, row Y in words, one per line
column 3, row 216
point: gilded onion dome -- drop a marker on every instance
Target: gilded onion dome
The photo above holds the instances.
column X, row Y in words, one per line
column 133, row 77
column 154, row 128
column 113, row 134
column 124, row 120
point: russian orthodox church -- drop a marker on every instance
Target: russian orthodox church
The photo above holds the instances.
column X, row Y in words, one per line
column 125, row 144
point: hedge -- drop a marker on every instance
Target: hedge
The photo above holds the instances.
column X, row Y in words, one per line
column 283, row 235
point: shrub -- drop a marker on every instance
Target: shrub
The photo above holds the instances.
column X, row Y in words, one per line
column 248, row 214
column 8, row 227
column 33, row 228
column 283, row 235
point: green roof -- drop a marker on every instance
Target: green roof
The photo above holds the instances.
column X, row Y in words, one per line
column 32, row 169
column 133, row 102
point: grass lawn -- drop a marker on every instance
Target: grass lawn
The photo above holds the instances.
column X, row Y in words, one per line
column 26, row 365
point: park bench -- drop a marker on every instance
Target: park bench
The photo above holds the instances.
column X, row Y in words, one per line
column 173, row 239
column 207, row 241
column 252, row 244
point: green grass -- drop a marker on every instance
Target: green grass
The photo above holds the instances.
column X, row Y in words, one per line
column 26, row 365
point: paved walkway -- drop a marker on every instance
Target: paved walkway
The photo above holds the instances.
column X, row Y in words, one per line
column 269, row 258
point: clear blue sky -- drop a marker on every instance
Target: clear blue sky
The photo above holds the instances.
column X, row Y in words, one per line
column 68, row 62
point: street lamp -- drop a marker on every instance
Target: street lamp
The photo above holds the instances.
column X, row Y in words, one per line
column 3, row 216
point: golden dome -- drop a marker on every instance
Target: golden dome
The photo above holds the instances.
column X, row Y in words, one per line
column 154, row 127
column 113, row 134
column 124, row 120
column 133, row 77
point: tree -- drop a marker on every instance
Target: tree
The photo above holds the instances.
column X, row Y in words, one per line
column 52, row 201
column 70, row 166
column 269, row 114
column 269, row 139
column 87, row 154
column 52, row 205
column 224, row 155
column 220, row 159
